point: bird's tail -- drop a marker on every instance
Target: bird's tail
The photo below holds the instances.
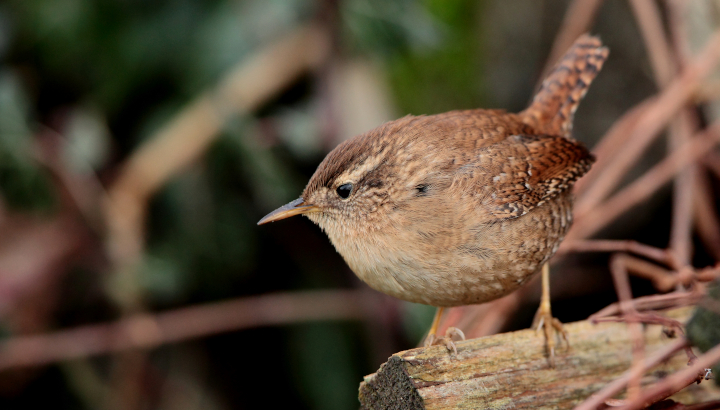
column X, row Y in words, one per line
column 553, row 107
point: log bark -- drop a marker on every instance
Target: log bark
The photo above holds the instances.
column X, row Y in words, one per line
column 511, row 370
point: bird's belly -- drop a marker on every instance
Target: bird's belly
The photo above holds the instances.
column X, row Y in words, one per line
column 451, row 285
column 505, row 256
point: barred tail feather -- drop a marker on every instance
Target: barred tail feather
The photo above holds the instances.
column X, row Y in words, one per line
column 553, row 107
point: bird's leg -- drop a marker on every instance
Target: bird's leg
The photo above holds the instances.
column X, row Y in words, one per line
column 545, row 320
column 447, row 340
column 431, row 338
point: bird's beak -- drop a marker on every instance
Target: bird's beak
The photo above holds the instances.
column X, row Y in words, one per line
column 295, row 207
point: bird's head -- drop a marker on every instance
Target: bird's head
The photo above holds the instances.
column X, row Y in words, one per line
column 358, row 183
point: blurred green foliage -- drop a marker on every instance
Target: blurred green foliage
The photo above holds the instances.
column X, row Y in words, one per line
column 445, row 75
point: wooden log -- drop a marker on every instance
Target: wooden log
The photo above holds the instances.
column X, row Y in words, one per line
column 511, row 370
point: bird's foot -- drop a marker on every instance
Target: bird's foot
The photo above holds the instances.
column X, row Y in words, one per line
column 545, row 321
column 447, row 340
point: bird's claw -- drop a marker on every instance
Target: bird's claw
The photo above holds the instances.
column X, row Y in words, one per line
column 447, row 340
column 545, row 321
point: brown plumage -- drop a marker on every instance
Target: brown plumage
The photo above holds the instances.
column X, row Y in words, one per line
column 461, row 207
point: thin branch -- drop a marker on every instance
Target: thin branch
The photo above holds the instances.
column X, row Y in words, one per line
column 664, row 280
column 653, row 302
column 152, row 330
column 649, row 318
column 708, row 274
column 681, row 130
column 612, row 389
column 672, row 99
column 622, row 287
column 677, row 381
column 643, row 187
column 672, row 326
column 649, row 20
column 613, row 142
column 676, row 13
column 608, row 245
column 578, row 20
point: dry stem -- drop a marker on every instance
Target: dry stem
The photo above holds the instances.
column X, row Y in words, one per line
column 612, row 389
column 578, row 20
column 653, row 120
column 677, row 381
column 599, row 217
column 607, row 245
column 653, row 302
column 151, row 330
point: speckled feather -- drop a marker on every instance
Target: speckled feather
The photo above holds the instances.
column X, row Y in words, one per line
column 460, row 207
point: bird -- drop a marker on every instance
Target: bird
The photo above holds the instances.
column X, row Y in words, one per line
column 461, row 207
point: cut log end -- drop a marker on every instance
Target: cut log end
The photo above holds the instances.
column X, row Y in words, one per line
column 390, row 387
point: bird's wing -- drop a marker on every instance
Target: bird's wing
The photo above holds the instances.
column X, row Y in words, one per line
column 521, row 172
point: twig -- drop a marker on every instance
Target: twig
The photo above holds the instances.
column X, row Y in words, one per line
column 149, row 331
column 682, row 128
column 607, row 245
column 672, row 99
column 677, row 381
column 643, row 187
column 612, row 389
column 578, row 19
column 681, row 131
column 676, row 10
column 649, row 19
column 613, row 142
column 653, row 302
column 650, row 318
column 708, row 274
column 672, row 326
column 664, row 280
column 622, row 287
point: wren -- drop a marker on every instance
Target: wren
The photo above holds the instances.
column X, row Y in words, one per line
column 462, row 207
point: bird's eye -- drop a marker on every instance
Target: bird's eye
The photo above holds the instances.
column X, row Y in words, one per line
column 344, row 190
